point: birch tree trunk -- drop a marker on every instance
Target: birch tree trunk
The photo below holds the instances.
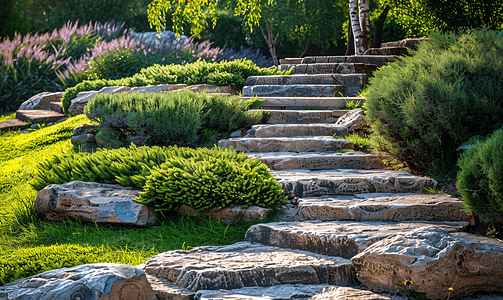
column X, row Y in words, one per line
column 365, row 23
column 355, row 25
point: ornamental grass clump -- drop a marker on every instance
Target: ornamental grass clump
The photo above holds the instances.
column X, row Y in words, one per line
column 480, row 178
column 201, row 178
column 423, row 107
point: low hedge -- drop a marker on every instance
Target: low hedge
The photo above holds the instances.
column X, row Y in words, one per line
column 170, row 176
column 164, row 119
column 480, row 178
column 201, row 72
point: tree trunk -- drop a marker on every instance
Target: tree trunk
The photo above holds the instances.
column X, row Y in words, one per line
column 379, row 28
column 350, row 47
column 355, row 25
column 270, row 40
column 365, row 22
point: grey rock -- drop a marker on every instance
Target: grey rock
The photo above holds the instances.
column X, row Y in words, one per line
column 379, row 60
column 85, row 129
column 341, row 238
column 89, row 282
column 114, row 89
column 305, row 183
column 156, row 88
column 77, row 104
column 38, row 116
column 236, row 134
column 12, row 124
column 348, row 293
column 352, row 120
column 300, row 116
column 399, row 51
column 229, row 214
column 296, row 103
column 308, row 79
column 291, row 144
column 167, row 290
column 319, row 160
column 433, row 260
column 334, row 68
column 35, row 126
column 277, row 292
column 41, row 101
column 82, row 138
column 94, row 202
column 89, row 147
column 291, row 130
column 305, row 90
column 411, row 43
column 385, row 207
column 247, row 264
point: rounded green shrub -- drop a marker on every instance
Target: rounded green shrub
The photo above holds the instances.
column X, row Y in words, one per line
column 423, row 107
column 211, row 181
column 480, row 179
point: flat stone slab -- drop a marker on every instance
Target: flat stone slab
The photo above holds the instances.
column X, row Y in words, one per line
column 334, row 68
column 305, row 183
column 291, row 130
column 300, row 90
column 287, row 144
column 41, row 101
column 92, row 281
column 57, row 107
column 319, row 160
column 79, row 103
column 156, row 88
column 247, row 264
column 165, row 289
column 379, row 60
column 388, row 51
column 300, row 116
column 12, row 124
column 433, row 260
column 340, row 238
column 384, row 207
column 410, row 43
column 93, row 202
column 39, row 116
column 325, row 77
column 303, row 102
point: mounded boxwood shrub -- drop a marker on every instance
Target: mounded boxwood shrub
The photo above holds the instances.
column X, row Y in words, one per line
column 222, row 73
column 164, row 119
column 423, row 107
column 480, row 179
column 171, row 176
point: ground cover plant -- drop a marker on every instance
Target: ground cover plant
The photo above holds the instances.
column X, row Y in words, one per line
column 423, row 107
column 232, row 73
column 29, row 245
column 163, row 119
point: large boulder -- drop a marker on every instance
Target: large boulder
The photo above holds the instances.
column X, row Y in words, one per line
column 77, row 105
column 41, row 101
column 352, row 120
column 434, row 261
column 85, row 282
column 94, row 202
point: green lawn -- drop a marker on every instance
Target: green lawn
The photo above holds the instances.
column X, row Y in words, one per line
column 29, row 245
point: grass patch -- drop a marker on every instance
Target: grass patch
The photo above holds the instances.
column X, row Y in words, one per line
column 7, row 117
column 362, row 143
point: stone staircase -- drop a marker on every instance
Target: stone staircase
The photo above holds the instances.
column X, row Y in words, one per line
column 41, row 108
column 342, row 203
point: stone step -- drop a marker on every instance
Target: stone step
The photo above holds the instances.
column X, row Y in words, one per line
column 302, row 116
column 12, row 124
column 291, row 292
column 299, row 90
column 39, row 116
column 383, row 207
column 247, row 264
column 287, row 144
column 399, row 51
column 379, row 60
column 57, row 107
column 292, row 130
column 305, row 183
column 303, row 102
column 334, row 68
column 290, row 61
column 340, row 238
column 319, row 160
column 410, row 43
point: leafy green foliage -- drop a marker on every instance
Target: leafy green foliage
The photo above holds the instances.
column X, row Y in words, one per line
column 164, row 119
column 362, row 143
column 350, row 104
column 480, row 178
column 202, row 178
column 423, row 107
column 211, row 181
column 232, row 73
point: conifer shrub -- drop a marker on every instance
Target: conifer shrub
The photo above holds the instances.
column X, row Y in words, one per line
column 480, row 178
column 423, row 107
column 223, row 73
column 170, row 176
column 164, row 119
